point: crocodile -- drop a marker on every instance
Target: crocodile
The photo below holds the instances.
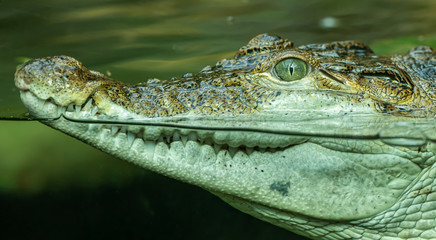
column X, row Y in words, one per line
column 330, row 141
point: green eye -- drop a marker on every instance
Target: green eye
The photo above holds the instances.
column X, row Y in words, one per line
column 291, row 69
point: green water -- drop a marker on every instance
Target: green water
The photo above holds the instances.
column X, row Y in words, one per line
column 52, row 186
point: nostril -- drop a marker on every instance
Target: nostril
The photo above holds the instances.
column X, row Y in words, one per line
column 30, row 71
column 32, row 66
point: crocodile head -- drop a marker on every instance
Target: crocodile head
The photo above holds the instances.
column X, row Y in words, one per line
column 291, row 135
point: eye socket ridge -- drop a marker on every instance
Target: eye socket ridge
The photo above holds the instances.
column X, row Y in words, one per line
column 291, row 69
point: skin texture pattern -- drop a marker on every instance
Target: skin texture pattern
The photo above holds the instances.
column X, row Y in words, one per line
column 326, row 140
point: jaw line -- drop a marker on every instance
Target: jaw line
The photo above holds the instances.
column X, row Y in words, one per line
column 50, row 112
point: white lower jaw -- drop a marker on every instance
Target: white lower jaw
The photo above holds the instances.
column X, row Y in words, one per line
column 306, row 178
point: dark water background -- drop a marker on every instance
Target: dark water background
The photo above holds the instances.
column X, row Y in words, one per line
column 54, row 187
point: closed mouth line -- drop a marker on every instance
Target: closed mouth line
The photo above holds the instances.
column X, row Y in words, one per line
column 90, row 110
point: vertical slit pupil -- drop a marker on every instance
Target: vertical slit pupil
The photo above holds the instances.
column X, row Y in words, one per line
column 291, row 69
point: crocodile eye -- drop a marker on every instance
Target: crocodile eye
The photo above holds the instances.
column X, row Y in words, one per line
column 291, row 69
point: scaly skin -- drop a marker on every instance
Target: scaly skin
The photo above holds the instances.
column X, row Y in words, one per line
column 338, row 144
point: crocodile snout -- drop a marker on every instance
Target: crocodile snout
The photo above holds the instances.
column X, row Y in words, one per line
column 61, row 78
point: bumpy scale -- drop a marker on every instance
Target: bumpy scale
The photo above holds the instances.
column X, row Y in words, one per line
column 231, row 129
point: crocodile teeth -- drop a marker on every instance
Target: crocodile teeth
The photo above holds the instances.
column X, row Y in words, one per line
column 233, row 151
column 176, row 136
column 88, row 104
column 192, row 137
column 184, row 139
column 114, row 129
column 94, row 110
column 78, row 109
column 217, row 148
column 262, row 149
column 89, row 110
column 249, row 150
column 123, row 129
column 70, row 108
column 130, row 138
column 149, row 147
